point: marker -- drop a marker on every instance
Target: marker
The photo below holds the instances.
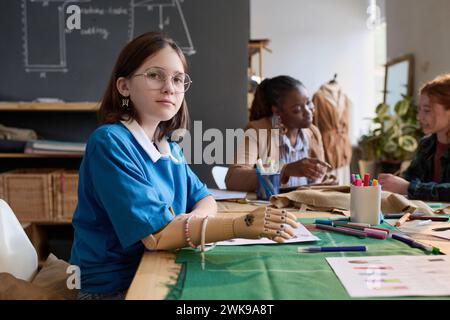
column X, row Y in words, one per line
column 424, row 223
column 341, row 223
column 353, row 224
column 358, row 183
column 260, row 166
column 375, row 234
column 364, row 228
column 357, row 224
column 353, row 232
column 381, row 229
column 324, row 222
column 356, row 233
column 415, row 244
column 393, row 215
column 349, row 226
column 366, row 179
column 418, row 214
column 374, row 182
column 369, row 232
column 331, row 249
column 441, row 219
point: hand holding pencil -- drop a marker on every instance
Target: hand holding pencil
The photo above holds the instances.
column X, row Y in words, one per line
column 311, row 168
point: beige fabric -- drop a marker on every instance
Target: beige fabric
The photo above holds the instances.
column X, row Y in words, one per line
column 12, row 288
column 49, row 284
column 11, row 133
column 53, row 277
column 241, row 176
column 334, row 198
column 331, row 116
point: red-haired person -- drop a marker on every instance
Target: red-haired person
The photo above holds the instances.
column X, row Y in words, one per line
column 428, row 176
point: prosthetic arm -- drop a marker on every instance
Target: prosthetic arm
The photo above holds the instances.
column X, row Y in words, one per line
column 187, row 229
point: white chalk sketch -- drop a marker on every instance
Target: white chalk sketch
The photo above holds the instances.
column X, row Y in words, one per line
column 38, row 58
column 164, row 15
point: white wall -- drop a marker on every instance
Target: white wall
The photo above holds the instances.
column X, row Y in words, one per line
column 313, row 39
column 420, row 27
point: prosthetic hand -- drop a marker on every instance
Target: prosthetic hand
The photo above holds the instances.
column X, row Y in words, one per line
column 269, row 223
column 187, row 229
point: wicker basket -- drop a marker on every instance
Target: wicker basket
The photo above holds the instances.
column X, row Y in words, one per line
column 29, row 192
column 2, row 194
column 65, row 194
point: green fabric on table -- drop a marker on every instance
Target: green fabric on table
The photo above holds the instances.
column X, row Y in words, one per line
column 267, row 272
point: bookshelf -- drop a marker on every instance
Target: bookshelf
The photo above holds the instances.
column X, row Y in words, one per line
column 54, row 106
column 69, row 107
column 55, row 234
column 36, row 155
column 39, row 114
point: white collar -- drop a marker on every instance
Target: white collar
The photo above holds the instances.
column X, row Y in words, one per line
column 142, row 138
column 300, row 145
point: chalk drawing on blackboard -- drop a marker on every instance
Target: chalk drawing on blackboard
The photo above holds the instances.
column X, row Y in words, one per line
column 144, row 15
column 165, row 15
column 52, row 56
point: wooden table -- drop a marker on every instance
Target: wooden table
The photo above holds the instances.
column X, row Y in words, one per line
column 157, row 270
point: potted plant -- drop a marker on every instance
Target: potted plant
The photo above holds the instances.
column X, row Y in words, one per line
column 393, row 140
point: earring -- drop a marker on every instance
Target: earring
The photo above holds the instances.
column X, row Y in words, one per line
column 125, row 102
column 279, row 125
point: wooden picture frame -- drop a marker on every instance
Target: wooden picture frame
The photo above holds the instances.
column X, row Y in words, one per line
column 403, row 64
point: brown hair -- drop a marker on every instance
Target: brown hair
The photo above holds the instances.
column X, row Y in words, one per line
column 130, row 59
column 438, row 90
column 270, row 93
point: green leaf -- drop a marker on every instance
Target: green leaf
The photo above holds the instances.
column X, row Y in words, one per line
column 382, row 109
column 394, row 135
column 402, row 107
column 408, row 143
column 390, row 147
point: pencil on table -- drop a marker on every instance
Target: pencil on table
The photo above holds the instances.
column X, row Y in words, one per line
column 403, row 219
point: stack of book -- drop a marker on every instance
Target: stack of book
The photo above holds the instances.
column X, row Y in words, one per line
column 54, row 147
column 12, row 146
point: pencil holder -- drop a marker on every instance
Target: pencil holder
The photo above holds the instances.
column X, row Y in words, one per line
column 267, row 185
column 365, row 204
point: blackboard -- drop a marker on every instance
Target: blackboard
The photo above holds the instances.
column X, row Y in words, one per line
column 40, row 57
